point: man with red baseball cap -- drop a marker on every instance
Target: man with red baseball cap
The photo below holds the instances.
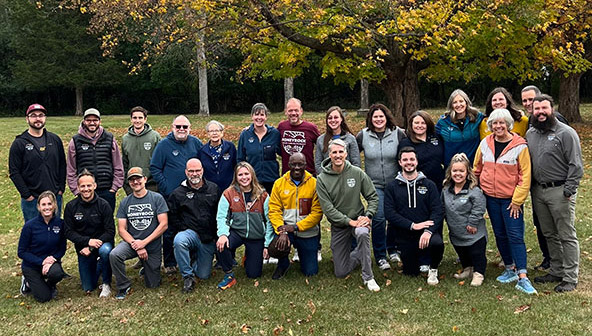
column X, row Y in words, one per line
column 37, row 162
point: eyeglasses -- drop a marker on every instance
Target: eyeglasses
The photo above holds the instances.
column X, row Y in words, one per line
column 215, row 131
column 38, row 116
column 181, row 126
column 91, row 121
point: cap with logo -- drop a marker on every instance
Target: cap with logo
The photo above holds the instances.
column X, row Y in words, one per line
column 92, row 111
column 135, row 172
column 35, row 107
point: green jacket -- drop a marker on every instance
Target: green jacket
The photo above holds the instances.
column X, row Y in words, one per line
column 339, row 193
column 136, row 150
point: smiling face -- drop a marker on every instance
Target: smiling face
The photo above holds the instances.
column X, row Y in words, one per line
column 499, row 128
column 294, row 112
column 498, row 101
column 138, row 121
column 458, row 172
column 91, row 124
column 244, row 178
column 36, row 119
column 459, row 105
column 334, row 122
column 527, row 98
column 137, row 184
column 215, row 133
column 297, row 164
column 259, row 118
column 542, row 110
column 86, row 187
column 181, row 128
column 46, row 207
column 337, row 154
column 408, row 163
column 419, row 126
column 379, row 121
column 194, row 172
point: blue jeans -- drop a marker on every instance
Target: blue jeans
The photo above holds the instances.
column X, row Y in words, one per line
column 107, row 196
column 509, row 232
column 193, row 256
column 379, row 245
column 30, row 208
column 253, row 254
column 96, row 263
column 307, row 252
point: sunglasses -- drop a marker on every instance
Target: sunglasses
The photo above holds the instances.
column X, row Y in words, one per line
column 181, row 126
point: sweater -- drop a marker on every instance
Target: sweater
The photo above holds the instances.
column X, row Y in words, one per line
column 457, row 140
column 169, row 160
column 462, row 209
column 380, row 154
column 353, row 152
column 85, row 220
column 430, row 157
column 262, row 155
column 339, row 194
column 39, row 240
column 222, row 172
column 137, row 149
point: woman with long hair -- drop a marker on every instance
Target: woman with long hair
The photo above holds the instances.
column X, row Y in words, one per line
column 459, row 126
column 336, row 128
column 500, row 98
column 242, row 220
column 41, row 247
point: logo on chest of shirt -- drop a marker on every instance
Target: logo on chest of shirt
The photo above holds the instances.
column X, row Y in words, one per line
column 147, row 145
column 251, row 140
column 55, row 229
column 464, row 199
column 175, row 152
column 29, row 146
column 551, row 137
column 422, row 190
column 190, row 195
column 78, row 216
column 293, row 141
column 351, row 182
column 140, row 216
column 84, row 147
column 226, row 156
column 434, row 141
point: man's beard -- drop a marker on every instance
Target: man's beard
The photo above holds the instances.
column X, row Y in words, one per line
column 195, row 181
column 32, row 125
column 544, row 125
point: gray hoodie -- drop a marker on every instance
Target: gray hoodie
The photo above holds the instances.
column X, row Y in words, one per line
column 462, row 209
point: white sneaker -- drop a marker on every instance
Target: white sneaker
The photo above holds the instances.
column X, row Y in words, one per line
column 272, row 260
column 105, row 291
column 433, row 277
column 372, row 285
column 424, row 268
column 383, row 264
column 395, row 257
column 319, row 256
column 296, row 258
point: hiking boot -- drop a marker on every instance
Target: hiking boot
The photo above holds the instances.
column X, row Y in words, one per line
column 467, row 272
column 105, row 291
column 433, row 277
column 170, row 270
column 547, row 278
column 296, row 258
column 121, row 294
column 372, row 285
column 383, row 265
column 227, row 282
column 565, row 286
column 544, row 265
column 509, row 275
column 188, row 284
column 525, row 286
column 477, row 279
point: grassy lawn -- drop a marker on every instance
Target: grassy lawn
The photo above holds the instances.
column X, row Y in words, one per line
column 321, row 305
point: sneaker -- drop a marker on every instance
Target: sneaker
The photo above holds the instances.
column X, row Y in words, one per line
column 105, row 291
column 395, row 257
column 279, row 272
column 525, row 286
column 296, row 258
column 543, row 266
column 467, row 272
column 383, row 264
column 424, row 268
column 565, row 286
column 188, row 284
column 509, row 275
column 272, row 260
column 170, row 269
column 547, row 278
column 122, row 293
column 372, row 285
column 433, row 277
column 319, row 256
column 477, row 279
column 227, row 282
column 25, row 290
column 265, row 261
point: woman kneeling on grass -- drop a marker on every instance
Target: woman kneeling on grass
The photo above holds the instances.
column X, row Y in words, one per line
column 502, row 164
column 242, row 219
column 464, row 204
column 41, row 246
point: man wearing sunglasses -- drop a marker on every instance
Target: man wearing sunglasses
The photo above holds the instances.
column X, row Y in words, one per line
column 168, row 170
column 95, row 149
column 37, row 162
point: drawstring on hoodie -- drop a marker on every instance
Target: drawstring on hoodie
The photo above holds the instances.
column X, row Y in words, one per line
column 409, row 194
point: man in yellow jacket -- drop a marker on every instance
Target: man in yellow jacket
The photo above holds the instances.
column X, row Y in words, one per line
column 295, row 214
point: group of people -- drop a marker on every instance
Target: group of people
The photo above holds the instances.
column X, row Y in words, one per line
column 189, row 203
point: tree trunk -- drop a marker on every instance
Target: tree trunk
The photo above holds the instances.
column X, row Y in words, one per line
column 569, row 96
column 79, row 96
column 364, row 94
column 401, row 88
column 202, row 73
column 288, row 89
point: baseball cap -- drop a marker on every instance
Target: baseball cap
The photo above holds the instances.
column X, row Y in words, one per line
column 92, row 111
column 135, row 171
column 35, row 107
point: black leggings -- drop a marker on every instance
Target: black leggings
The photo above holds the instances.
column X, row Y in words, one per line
column 473, row 255
column 41, row 285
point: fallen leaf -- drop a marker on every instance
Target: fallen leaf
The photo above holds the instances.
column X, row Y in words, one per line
column 312, row 307
column 521, row 309
column 441, row 295
column 499, row 297
column 123, row 320
column 265, row 290
column 205, row 322
column 473, row 310
column 306, row 280
column 404, row 311
column 256, row 284
column 388, row 282
column 245, row 328
column 461, row 283
column 454, row 328
column 419, row 289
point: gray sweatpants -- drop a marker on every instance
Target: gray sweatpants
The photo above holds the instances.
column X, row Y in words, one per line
column 345, row 260
column 123, row 252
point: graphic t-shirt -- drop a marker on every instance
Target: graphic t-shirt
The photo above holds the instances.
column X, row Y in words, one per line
column 298, row 139
column 141, row 215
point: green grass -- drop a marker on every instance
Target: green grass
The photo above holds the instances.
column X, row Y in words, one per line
column 321, row 305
